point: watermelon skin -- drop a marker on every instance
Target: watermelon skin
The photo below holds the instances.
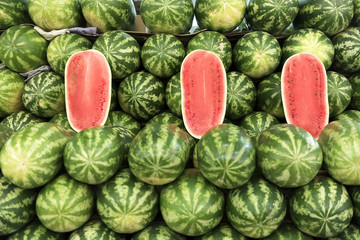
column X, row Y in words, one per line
column 354, row 80
column 13, row 13
column 23, row 159
column 271, row 16
column 321, row 208
column 126, row 204
column 17, row 206
column 221, row 232
column 349, row 115
column 355, row 197
column 288, row 156
column 339, row 92
column 256, row 209
column 231, row 13
column 65, row 204
column 62, row 47
column 107, row 15
column 18, row 120
column 5, row 133
column 356, row 19
column 44, row 95
column 287, row 231
column 158, row 231
column 142, row 95
column 12, row 87
column 167, row 16
column 181, row 199
column 162, row 55
column 61, row 119
column 214, row 42
column 166, row 118
column 341, row 162
column 312, row 41
column 122, row 119
column 352, row 232
column 257, row 54
column 126, row 136
column 173, row 95
column 330, row 17
column 22, row 48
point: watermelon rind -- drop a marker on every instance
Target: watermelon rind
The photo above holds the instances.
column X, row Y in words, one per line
column 5, row 133
column 122, row 119
column 18, row 120
column 339, row 92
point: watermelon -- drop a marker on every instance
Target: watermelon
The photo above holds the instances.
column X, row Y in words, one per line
column 142, row 95
column 162, row 55
column 17, row 206
column 341, row 161
column 304, row 92
column 108, row 15
column 355, row 197
column 126, row 136
column 166, row 118
column 349, row 115
column 157, row 231
column 256, row 209
column 18, row 120
column 82, row 72
column 61, row 119
column 321, row 208
column 271, row 16
column 11, row 87
column 173, row 95
column 328, row 16
column 288, row 155
column 257, row 54
column 167, row 16
column 33, row 155
column 218, row 15
column 191, row 205
column 356, row 19
column 222, row 232
column 355, row 96
column 126, row 204
column 121, row 51
column 352, row 232
column 202, row 74
column 214, row 42
column 339, row 92
column 287, row 231
column 62, row 47
column 13, row 12
column 5, row 133
column 22, row 48
column 44, row 95
column 114, row 103
column 122, row 119
column 309, row 40
column 65, row 204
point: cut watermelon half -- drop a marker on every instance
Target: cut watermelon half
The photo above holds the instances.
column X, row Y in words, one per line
column 87, row 89
column 203, row 92
column 304, row 93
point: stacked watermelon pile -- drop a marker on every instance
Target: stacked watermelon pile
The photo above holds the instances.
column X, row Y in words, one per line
column 137, row 170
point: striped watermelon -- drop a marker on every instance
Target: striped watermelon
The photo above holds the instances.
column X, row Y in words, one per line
column 167, row 16
column 271, row 16
column 18, row 120
column 33, row 155
column 257, row 54
column 226, row 156
column 44, row 95
column 256, row 209
column 339, row 92
column 352, row 232
column 62, row 47
column 121, row 51
column 349, row 115
column 341, row 161
column 121, row 119
column 61, row 119
column 321, row 208
column 126, row 136
column 5, row 133
column 222, row 232
column 162, row 55
column 13, row 12
column 17, row 206
column 11, row 88
column 241, row 95
column 191, row 205
column 355, row 197
column 94, row 155
column 355, row 96
column 214, row 42
column 309, row 40
column 157, row 231
column 65, row 204
column 288, row 155
column 173, row 95
column 22, row 48
column 356, row 18
column 166, row 118
column 142, row 95
column 108, row 15
column 287, row 231
column 126, row 204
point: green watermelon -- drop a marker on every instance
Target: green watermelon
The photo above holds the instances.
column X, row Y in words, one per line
column 44, row 95
column 114, row 103
column 321, row 208
column 127, row 136
column 107, row 15
column 191, row 205
column 349, row 115
column 352, row 232
column 13, row 12
column 122, row 119
column 219, row 15
column 162, row 55
column 287, row 231
column 18, row 120
column 339, row 92
column 355, row 96
column 121, row 51
column 126, row 204
column 167, row 16
column 61, row 119
column 356, row 18
column 256, row 209
column 142, row 95
column 222, row 232
column 22, row 48
column 173, row 95
column 33, row 155
column 257, row 54
column 65, row 204
column 62, row 47
column 5, row 133
column 166, row 118
column 157, row 231
column 214, row 42
column 355, row 197
column 11, row 87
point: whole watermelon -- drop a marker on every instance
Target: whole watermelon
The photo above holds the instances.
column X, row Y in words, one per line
column 13, row 12
column 339, row 92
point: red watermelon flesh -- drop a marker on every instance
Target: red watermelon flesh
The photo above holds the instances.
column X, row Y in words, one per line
column 203, row 92
column 87, row 89
column 304, row 93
